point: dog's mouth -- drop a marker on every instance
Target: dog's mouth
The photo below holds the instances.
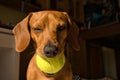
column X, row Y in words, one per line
column 49, row 75
column 49, row 52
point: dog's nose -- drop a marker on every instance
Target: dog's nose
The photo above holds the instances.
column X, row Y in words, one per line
column 50, row 51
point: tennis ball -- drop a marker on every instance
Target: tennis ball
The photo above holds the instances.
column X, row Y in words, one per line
column 50, row 65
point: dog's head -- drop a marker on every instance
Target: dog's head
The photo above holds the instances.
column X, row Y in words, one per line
column 50, row 30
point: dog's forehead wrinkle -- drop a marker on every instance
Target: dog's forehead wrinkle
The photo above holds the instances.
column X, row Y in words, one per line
column 46, row 17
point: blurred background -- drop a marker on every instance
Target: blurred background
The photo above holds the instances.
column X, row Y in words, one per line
column 98, row 21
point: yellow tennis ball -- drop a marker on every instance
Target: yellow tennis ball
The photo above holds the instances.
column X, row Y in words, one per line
column 50, row 65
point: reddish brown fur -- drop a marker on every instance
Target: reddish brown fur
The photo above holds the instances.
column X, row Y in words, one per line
column 48, row 22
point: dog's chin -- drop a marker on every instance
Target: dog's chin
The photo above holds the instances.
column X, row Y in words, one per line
column 44, row 56
column 49, row 75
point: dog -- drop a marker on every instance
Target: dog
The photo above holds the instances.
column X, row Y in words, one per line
column 52, row 32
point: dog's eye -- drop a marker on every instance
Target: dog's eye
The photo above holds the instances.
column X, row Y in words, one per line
column 61, row 28
column 38, row 30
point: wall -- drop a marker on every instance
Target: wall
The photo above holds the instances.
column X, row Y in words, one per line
column 9, row 59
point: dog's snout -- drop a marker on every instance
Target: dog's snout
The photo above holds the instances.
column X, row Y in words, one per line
column 50, row 50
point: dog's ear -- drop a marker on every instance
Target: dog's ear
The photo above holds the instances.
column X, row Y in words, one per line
column 22, row 35
column 73, row 34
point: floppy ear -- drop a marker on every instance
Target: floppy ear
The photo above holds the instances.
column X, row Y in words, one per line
column 73, row 34
column 21, row 33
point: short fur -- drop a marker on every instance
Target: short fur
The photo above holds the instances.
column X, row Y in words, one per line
column 47, row 27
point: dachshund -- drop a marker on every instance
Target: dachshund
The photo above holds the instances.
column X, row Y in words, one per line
column 51, row 32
